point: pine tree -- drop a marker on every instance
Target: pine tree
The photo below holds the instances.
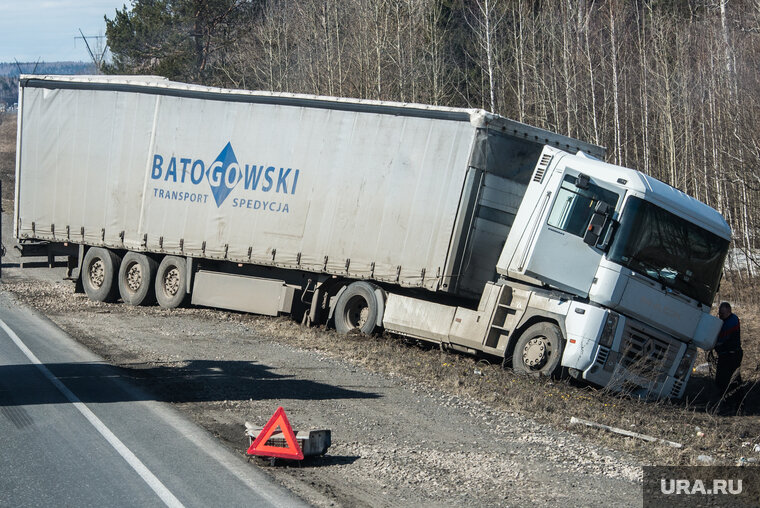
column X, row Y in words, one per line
column 177, row 39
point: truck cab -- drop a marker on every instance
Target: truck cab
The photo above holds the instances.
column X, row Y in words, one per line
column 641, row 260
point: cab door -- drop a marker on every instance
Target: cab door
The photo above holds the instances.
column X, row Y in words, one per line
column 560, row 257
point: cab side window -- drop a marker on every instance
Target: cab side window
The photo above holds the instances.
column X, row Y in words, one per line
column 574, row 206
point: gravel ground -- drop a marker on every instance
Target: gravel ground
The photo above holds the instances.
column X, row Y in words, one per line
column 397, row 440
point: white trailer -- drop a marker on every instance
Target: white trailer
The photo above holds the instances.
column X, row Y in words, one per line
column 450, row 225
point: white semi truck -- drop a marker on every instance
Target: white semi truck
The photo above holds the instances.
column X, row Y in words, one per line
column 455, row 226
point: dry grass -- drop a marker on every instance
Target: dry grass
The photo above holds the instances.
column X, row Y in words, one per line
column 551, row 401
column 7, row 157
column 8, row 132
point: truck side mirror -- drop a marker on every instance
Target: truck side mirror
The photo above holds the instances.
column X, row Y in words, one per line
column 596, row 224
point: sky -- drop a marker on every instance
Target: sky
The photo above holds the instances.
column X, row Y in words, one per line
column 46, row 29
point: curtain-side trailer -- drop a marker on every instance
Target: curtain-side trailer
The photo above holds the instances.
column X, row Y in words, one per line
column 450, row 225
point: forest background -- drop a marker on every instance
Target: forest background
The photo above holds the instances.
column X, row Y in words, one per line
column 671, row 88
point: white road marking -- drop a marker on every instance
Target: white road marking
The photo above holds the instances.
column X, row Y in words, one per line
column 154, row 483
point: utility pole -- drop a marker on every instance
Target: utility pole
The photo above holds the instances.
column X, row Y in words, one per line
column 98, row 55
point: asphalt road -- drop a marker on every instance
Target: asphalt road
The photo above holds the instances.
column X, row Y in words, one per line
column 74, row 432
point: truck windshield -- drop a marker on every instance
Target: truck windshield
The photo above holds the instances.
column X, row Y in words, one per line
column 669, row 249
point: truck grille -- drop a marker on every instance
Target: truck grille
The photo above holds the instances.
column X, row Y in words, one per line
column 646, row 355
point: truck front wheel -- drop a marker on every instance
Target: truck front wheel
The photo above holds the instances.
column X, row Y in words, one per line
column 136, row 277
column 171, row 282
column 99, row 273
column 357, row 309
column 538, row 351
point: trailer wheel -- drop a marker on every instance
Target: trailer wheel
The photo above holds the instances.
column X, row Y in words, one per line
column 100, row 270
column 357, row 309
column 171, row 282
column 538, row 351
column 136, row 276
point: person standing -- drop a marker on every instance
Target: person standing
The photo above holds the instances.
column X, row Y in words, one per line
column 729, row 350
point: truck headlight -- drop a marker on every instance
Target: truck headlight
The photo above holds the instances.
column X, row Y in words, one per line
column 685, row 365
column 610, row 327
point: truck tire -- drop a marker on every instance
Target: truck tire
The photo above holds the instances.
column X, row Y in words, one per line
column 100, row 271
column 357, row 309
column 171, row 282
column 136, row 276
column 538, row 351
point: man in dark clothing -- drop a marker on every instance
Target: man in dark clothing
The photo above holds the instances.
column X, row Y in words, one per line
column 729, row 351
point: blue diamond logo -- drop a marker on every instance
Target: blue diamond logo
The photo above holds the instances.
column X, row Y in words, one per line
column 223, row 174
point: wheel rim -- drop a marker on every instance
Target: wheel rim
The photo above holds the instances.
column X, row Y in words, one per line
column 357, row 312
column 171, row 281
column 537, row 352
column 97, row 273
column 134, row 277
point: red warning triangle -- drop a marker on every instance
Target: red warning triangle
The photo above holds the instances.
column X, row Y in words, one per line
column 290, row 451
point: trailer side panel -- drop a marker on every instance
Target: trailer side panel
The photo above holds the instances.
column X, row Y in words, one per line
column 360, row 194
